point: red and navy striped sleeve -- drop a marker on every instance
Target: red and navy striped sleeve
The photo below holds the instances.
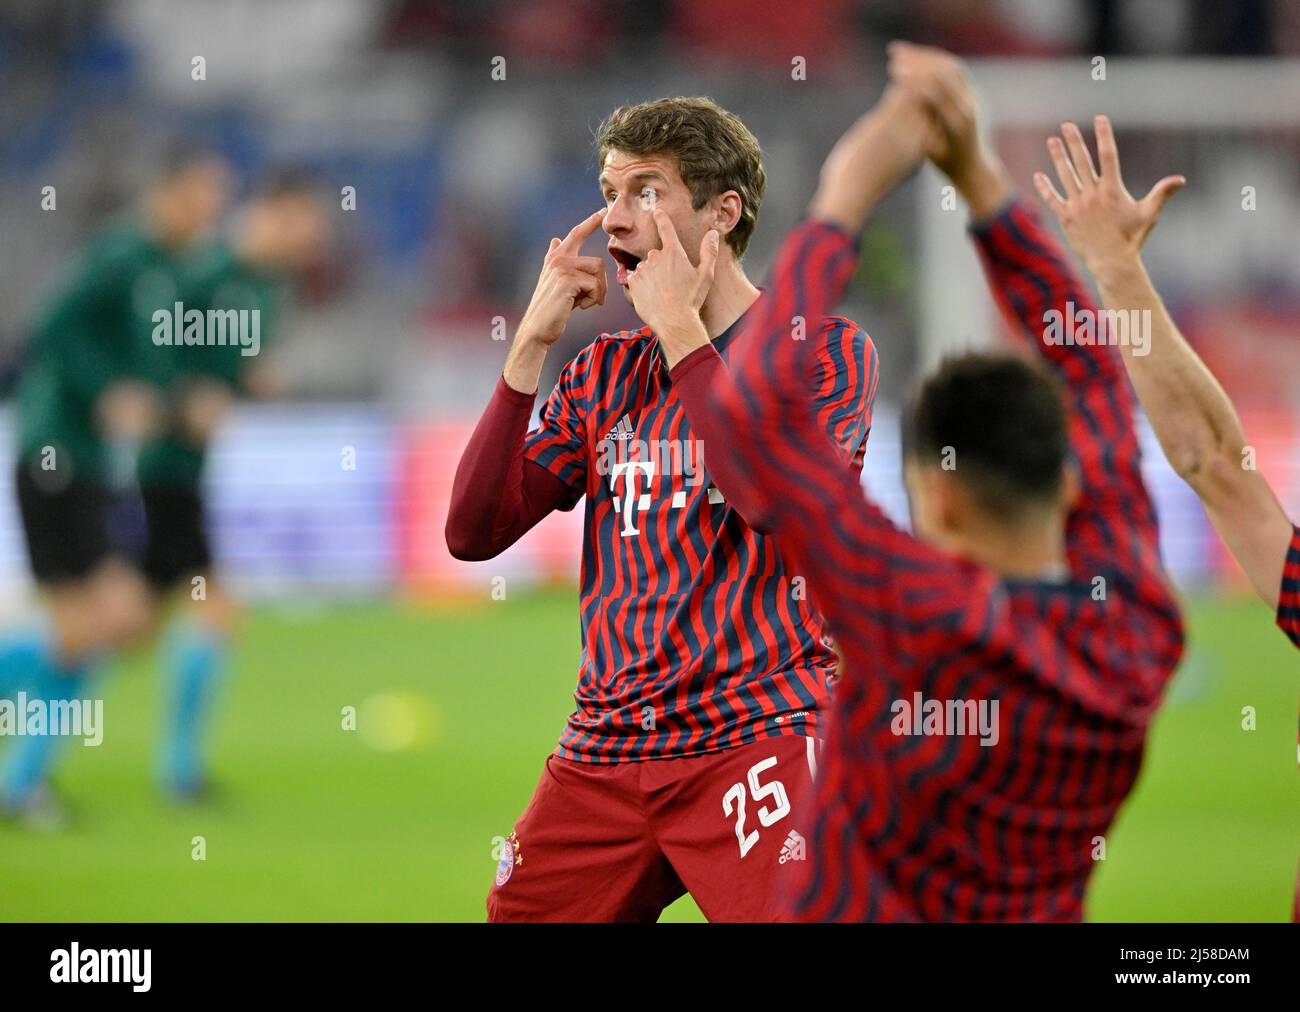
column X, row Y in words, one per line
column 1288, row 602
column 846, row 372
column 770, row 358
column 1113, row 528
column 559, row 442
column 843, row 374
column 858, row 566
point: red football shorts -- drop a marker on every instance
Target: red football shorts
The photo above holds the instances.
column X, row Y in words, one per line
column 620, row 842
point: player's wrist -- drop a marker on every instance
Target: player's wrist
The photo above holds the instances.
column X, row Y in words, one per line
column 984, row 185
column 1117, row 268
column 536, row 336
column 523, row 368
column 680, row 337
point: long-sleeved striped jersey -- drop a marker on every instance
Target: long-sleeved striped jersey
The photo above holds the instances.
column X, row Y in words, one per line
column 985, row 730
column 693, row 637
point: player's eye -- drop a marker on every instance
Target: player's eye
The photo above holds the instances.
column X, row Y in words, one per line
column 649, row 196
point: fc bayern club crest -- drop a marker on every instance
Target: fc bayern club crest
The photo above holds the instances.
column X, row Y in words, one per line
column 510, row 856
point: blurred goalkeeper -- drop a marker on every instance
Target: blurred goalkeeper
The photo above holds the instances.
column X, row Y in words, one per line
column 91, row 392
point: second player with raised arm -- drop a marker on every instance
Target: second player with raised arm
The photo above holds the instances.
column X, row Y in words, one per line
column 1002, row 663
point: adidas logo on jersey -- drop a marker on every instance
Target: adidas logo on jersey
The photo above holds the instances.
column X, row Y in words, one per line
column 622, row 430
column 795, row 848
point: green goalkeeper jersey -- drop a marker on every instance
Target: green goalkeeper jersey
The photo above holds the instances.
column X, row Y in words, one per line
column 239, row 305
column 93, row 329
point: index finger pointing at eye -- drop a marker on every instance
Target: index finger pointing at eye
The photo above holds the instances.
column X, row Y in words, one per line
column 581, row 232
column 667, row 232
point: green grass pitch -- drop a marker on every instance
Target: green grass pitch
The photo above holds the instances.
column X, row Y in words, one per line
column 316, row 823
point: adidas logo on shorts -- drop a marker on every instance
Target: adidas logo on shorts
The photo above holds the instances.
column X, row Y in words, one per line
column 795, row 848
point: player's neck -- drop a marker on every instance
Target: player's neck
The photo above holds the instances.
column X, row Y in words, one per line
column 730, row 295
column 1030, row 551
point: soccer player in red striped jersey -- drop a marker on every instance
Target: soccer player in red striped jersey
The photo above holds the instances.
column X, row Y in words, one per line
column 1193, row 419
column 1002, row 664
column 688, row 761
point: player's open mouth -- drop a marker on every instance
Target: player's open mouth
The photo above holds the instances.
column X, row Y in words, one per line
column 626, row 263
